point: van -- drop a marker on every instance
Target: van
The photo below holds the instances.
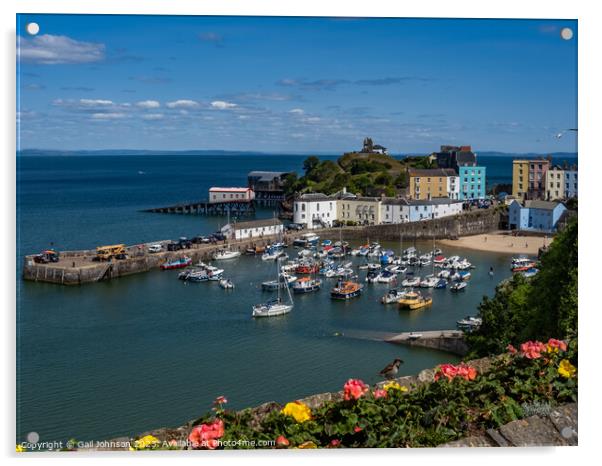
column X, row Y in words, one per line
column 155, row 248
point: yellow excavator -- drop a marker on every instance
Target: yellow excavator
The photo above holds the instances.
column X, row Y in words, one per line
column 106, row 253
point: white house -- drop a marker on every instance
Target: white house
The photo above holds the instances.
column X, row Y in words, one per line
column 315, row 210
column 453, row 187
column 394, row 211
column 253, row 228
column 231, row 194
column 443, row 207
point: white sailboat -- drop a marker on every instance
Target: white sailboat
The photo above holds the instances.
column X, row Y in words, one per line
column 275, row 306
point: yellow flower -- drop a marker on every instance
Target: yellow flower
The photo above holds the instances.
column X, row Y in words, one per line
column 298, row 410
column 308, row 444
column 146, row 442
column 395, row 386
column 566, row 369
column 20, row 449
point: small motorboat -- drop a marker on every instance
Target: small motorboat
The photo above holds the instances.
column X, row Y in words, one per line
column 284, row 281
column 373, row 276
column 414, row 300
column 393, row 296
column 429, row 282
column 444, row 274
column 411, row 281
column 306, row 240
column 180, row 263
column 469, row 323
column 464, row 275
column 224, row 254
column 226, row 284
column 530, row 272
column 346, row 290
column 522, row 264
column 307, row 285
column 460, row 286
column 386, row 277
column 442, row 283
column 307, row 268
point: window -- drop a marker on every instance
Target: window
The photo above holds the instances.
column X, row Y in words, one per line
column 303, row 208
column 318, row 207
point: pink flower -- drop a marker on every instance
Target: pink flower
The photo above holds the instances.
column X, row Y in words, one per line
column 282, row 441
column 532, row 349
column 380, row 393
column 511, row 349
column 555, row 345
column 206, row 435
column 357, row 429
column 354, row 389
column 450, row 371
column 220, row 400
column 335, row 443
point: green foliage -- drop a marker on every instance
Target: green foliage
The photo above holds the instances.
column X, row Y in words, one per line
column 533, row 309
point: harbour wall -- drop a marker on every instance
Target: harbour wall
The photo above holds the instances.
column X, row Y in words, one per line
column 450, row 341
column 77, row 267
column 453, row 227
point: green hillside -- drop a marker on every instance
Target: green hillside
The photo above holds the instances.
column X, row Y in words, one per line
column 367, row 174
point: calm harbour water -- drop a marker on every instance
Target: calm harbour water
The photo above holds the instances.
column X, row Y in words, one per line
column 120, row 357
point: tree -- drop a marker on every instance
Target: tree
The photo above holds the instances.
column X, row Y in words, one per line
column 539, row 308
column 310, row 163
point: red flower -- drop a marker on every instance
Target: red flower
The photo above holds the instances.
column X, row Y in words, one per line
column 511, row 349
column 555, row 345
column 282, row 441
column 354, row 389
column 532, row 349
column 357, row 429
column 335, row 443
column 206, row 435
column 450, row 371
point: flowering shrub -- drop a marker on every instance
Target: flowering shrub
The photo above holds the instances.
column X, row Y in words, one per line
column 206, row 435
column 450, row 371
column 297, row 410
column 354, row 389
column 148, row 442
column 459, row 402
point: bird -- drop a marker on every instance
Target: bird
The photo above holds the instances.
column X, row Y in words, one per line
column 391, row 369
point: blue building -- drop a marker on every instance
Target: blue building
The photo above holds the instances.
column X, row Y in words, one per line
column 539, row 216
column 570, row 181
column 472, row 182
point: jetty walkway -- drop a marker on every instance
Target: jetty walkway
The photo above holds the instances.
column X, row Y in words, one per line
column 451, row 341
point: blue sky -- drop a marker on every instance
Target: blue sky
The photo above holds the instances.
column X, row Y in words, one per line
column 295, row 84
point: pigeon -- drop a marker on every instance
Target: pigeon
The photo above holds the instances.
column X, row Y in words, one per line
column 391, row 369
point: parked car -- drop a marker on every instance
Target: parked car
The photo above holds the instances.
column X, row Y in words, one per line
column 294, row 226
column 173, row 246
column 155, row 248
column 185, row 243
column 219, row 236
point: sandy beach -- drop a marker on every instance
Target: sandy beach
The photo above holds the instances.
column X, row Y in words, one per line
column 502, row 243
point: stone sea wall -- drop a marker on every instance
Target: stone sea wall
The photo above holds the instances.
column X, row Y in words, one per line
column 453, row 227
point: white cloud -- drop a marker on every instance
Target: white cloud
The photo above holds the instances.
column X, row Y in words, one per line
column 148, row 104
column 183, row 103
column 297, row 111
column 222, row 105
column 107, row 116
column 47, row 49
column 94, row 102
column 152, row 116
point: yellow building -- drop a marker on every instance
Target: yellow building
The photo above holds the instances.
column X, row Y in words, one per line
column 361, row 210
column 520, row 179
column 433, row 183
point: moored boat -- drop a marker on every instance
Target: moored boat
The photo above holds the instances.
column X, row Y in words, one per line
column 393, row 296
column 346, row 290
column 177, row 264
column 224, row 254
column 460, row 286
column 307, row 285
